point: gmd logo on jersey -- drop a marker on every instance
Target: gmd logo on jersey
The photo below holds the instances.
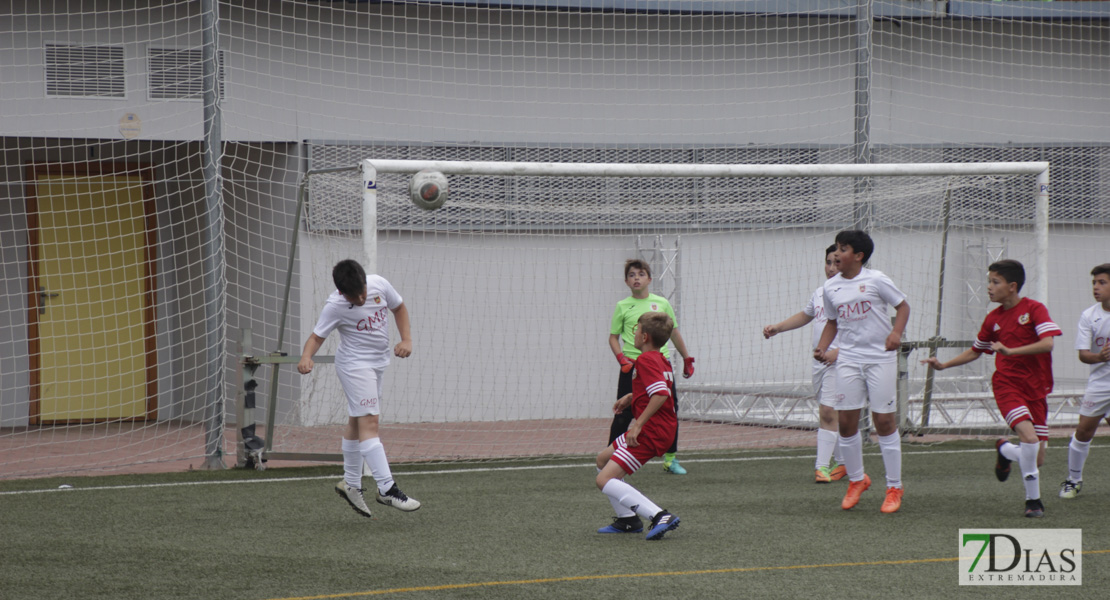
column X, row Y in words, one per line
column 1021, row 557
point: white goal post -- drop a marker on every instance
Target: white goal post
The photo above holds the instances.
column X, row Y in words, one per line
column 450, row 244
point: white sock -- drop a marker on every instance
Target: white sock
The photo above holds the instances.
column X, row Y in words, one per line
column 630, row 498
column 1010, row 451
column 1077, row 457
column 352, row 463
column 1030, row 476
column 838, row 454
column 852, row 453
column 374, row 454
column 891, row 447
column 621, row 510
column 826, row 444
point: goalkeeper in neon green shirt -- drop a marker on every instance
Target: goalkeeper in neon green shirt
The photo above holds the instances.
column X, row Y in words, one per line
column 637, row 276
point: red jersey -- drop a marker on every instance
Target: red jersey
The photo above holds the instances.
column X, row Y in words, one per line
column 1024, row 324
column 653, row 377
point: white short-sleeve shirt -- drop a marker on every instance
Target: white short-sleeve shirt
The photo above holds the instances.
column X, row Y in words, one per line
column 1094, row 332
column 363, row 330
column 860, row 306
column 816, row 308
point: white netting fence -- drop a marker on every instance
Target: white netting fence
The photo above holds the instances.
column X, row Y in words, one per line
column 108, row 109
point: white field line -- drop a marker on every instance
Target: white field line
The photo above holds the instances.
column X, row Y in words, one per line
column 447, row 472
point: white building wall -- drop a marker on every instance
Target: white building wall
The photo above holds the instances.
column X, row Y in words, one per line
column 372, row 72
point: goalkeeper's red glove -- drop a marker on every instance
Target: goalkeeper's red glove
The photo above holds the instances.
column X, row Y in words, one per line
column 626, row 364
column 688, row 367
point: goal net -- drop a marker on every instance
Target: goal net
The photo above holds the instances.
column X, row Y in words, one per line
column 511, row 287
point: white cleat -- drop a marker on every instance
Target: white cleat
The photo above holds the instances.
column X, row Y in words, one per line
column 397, row 499
column 353, row 496
column 1070, row 489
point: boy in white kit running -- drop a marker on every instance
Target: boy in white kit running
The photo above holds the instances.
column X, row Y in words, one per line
column 359, row 309
column 1093, row 343
column 856, row 303
column 824, row 377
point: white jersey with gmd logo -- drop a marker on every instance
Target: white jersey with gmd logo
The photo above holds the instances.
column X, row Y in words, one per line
column 363, row 330
column 1093, row 334
column 860, row 306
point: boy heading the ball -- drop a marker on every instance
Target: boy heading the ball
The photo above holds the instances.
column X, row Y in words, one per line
column 358, row 309
column 1019, row 333
column 649, row 434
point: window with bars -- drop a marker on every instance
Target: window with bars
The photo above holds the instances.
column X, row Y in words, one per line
column 84, row 71
column 1076, row 186
column 178, row 74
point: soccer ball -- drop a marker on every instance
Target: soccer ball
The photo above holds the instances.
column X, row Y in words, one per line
column 428, row 189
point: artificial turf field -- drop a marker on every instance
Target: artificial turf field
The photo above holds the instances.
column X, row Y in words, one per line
column 754, row 525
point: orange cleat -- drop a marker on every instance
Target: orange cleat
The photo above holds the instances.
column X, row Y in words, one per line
column 822, row 475
column 838, row 473
column 855, row 490
column 893, row 500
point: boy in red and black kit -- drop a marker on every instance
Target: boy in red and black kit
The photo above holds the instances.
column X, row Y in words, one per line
column 1020, row 333
column 649, row 435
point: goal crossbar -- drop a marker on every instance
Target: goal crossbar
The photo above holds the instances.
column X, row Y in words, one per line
column 452, row 167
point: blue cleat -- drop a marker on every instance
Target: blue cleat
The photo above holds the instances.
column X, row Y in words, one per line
column 673, row 467
column 661, row 524
column 623, row 525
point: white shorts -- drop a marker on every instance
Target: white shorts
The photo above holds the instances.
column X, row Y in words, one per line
column 858, row 383
column 363, row 387
column 824, row 385
column 1095, row 404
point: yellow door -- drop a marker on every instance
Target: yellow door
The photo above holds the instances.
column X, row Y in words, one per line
column 92, row 278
